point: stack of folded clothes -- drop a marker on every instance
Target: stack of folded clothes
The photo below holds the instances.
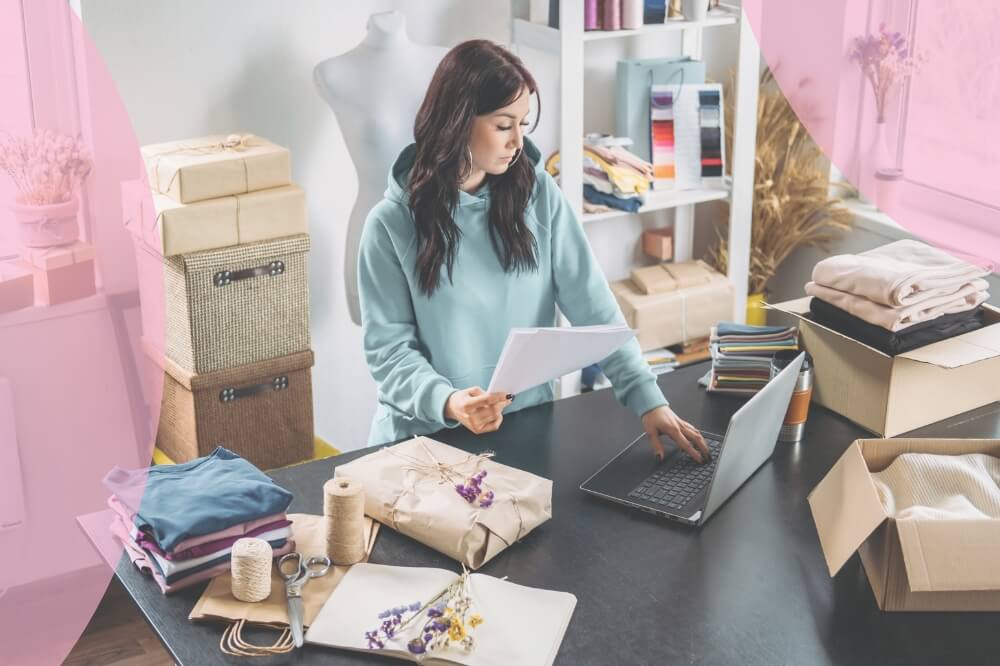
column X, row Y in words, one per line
column 178, row 523
column 899, row 296
column 613, row 178
column 741, row 355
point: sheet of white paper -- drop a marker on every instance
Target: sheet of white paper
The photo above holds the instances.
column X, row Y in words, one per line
column 533, row 356
column 522, row 625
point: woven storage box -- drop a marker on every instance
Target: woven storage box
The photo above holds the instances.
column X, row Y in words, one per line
column 262, row 411
column 236, row 305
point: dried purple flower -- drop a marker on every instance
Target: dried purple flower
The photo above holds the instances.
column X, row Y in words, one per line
column 416, row 646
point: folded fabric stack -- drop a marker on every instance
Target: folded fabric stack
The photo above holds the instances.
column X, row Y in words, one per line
column 178, row 523
column 741, row 355
column 613, row 178
column 899, row 296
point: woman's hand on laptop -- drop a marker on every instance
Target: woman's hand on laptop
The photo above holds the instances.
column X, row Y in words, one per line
column 663, row 421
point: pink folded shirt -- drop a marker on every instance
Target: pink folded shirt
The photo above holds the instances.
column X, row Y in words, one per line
column 139, row 559
column 896, row 319
column 905, row 272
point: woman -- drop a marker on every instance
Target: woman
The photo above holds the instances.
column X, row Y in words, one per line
column 472, row 239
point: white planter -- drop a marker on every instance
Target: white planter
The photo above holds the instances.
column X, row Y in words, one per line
column 47, row 225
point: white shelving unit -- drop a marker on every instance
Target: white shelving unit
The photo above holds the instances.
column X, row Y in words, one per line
column 568, row 44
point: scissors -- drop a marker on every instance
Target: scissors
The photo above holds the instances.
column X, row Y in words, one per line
column 294, row 582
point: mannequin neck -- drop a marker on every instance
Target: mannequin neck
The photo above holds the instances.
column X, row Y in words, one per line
column 386, row 30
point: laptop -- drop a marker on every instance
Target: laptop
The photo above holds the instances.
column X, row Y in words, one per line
column 680, row 489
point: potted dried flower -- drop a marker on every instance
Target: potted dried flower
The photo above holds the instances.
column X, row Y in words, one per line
column 47, row 169
column 791, row 205
column 884, row 59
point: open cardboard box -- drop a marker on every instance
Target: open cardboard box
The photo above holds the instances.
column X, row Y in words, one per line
column 914, row 565
column 891, row 395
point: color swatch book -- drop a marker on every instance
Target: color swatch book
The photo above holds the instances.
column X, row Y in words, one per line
column 741, row 355
column 517, row 624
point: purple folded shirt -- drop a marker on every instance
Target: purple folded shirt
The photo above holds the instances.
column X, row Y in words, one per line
column 209, row 547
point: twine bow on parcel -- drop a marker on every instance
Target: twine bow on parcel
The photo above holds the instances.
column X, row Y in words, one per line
column 232, row 143
column 447, row 473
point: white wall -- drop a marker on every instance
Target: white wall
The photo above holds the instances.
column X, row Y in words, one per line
column 189, row 67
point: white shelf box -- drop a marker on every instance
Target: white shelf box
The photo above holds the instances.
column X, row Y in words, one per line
column 662, row 200
column 543, row 38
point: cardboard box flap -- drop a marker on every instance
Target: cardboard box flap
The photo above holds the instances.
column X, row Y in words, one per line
column 961, row 350
column 950, row 555
column 846, row 508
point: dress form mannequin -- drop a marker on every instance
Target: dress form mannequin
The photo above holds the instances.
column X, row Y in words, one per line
column 375, row 90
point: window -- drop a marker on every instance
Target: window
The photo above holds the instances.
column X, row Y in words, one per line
column 15, row 112
column 949, row 110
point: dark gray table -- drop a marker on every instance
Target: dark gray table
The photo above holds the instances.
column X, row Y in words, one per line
column 750, row 587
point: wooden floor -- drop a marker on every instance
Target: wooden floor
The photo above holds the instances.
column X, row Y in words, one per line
column 117, row 634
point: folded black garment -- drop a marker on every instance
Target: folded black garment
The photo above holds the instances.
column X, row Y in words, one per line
column 919, row 334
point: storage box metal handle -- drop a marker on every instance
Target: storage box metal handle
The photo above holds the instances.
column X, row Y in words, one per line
column 222, row 278
column 230, row 394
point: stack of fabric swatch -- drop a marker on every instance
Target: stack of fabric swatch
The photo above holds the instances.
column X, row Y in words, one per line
column 741, row 355
column 899, row 296
column 178, row 523
column 613, row 178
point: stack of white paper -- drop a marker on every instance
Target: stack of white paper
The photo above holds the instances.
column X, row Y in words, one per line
column 523, row 626
column 533, row 356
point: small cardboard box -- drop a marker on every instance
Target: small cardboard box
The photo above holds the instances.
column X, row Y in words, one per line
column 63, row 273
column 173, row 228
column 912, row 565
column 659, row 243
column 16, row 286
column 674, row 317
column 889, row 395
column 215, row 166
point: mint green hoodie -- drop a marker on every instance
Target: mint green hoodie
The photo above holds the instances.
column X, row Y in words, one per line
column 420, row 350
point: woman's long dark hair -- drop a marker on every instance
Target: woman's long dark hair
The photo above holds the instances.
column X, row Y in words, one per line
column 474, row 78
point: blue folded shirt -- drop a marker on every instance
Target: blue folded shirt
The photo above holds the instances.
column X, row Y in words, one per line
column 199, row 497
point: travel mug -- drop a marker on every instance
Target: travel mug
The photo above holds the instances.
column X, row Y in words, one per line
column 798, row 409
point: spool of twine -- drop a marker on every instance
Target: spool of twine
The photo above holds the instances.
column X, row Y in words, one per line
column 251, row 568
column 344, row 508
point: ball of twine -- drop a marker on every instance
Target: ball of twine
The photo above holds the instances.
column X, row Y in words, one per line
column 251, row 569
column 344, row 508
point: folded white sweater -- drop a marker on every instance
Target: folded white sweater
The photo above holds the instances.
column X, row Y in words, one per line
column 901, row 273
column 926, row 485
column 896, row 319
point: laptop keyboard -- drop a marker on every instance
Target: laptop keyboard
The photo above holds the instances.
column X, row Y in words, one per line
column 675, row 486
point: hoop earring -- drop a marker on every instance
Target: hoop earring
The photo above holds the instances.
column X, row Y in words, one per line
column 516, row 157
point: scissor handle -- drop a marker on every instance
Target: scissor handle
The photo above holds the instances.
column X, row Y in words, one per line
column 317, row 566
column 287, row 557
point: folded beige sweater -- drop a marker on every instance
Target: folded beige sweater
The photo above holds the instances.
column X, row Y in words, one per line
column 968, row 297
column 927, row 485
column 901, row 273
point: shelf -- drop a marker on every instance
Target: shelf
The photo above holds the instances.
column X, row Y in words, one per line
column 542, row 37
column 662, row 200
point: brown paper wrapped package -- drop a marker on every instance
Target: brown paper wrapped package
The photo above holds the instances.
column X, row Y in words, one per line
column 309, row 533
column 403, row 491
column 215, row 166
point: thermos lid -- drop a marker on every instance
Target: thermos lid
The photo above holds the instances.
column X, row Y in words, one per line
column 781, row 359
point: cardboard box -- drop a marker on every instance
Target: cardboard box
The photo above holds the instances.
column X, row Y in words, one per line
column 262, row 411
column 653, row 279
column 215, row 166
column 173, row 228
column 890, row 395
column 659, row 243
column 912, row 565
column 674, row 317
column 62, row 274
column 16, row 286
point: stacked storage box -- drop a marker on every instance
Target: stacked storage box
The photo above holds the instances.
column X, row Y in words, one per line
column 228, row 233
